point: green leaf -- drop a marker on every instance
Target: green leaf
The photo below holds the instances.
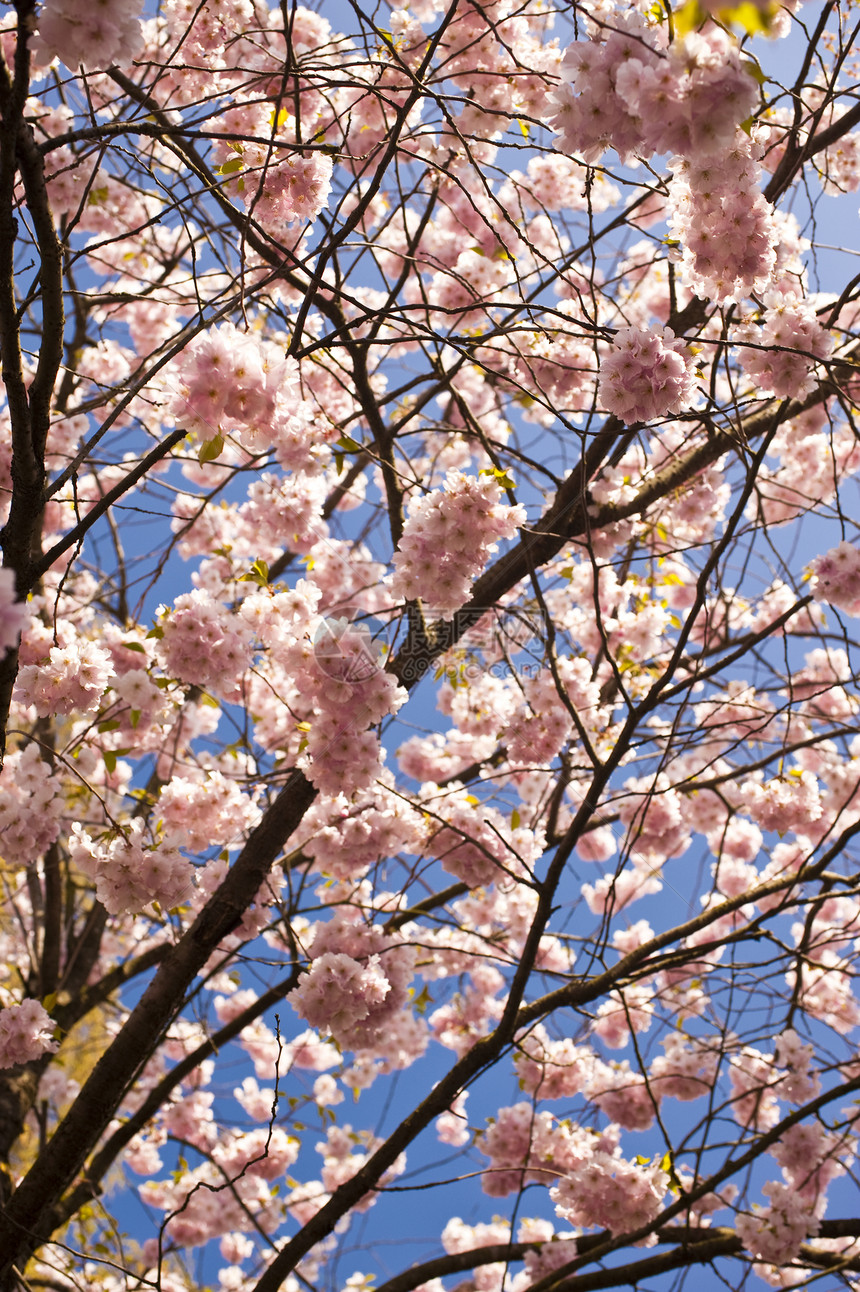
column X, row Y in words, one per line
column 258, row 573
column 156, row 632
column 754, row 20
column 135, row 646
column 421, row 1002
column 348, row 444
column 211, row 449
column 503, row 478
column 230, row 167
column 752, row 69
column 110, row 725
column 667, row 1164
column 688, row 18
column 134, row 718
column 515, row 819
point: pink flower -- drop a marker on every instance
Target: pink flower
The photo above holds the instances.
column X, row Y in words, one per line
column 836, row 578
column 26, row 1033
column 646, row 375
column 447, row 538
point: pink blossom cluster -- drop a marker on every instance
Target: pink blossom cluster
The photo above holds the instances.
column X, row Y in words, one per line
column 448, row 536
column 558, row 183
column 457, row 1236
column 776, row 1233
column 814, row 458
column 553, row 1069
column 653, row 812
column 205, row 810
column 344, row 1152
column 337, row 992
column 357, row 983
column 592, row 1184
column 622, row 1095
column 129, row 874
column 777, row 356
column 725, row 226
column 474, row 842
column 623, row 1011
column 800, row 1084
column 614, row 892
column 523, row 1144
column 279, row 182
column 283, row 509
column 203, row 644
column 469, row 1014
column 645, row 375
column 551, row 370
column 490, row 64
column 233, row 381
column 72, row 679
column 200, row 1207
column 817, row 684
column 785, row 803
column 205, row 28
column 556, row 1250
column 347, row 839
column 452, row 1127
column 754, row 1080
column 611, row 1192
column 26, row 1033
column 14, row 615
column 687, row 1070
column 623, row 92
column 836, row 578
column 825, row 991
column 811, row 1157
column 31, row 806
column 340, row 675
column 94, row 35
column 538, row 731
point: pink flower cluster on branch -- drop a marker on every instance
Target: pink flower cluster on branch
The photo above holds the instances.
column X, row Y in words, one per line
column 836, row 578
column 646, row 375
column 628, row 92
column 26, row 1033
column 94, row 35
column 447, row 539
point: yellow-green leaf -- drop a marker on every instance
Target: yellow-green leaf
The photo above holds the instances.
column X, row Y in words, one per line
column 211, row 449
column 752, row 69
column 688, row 18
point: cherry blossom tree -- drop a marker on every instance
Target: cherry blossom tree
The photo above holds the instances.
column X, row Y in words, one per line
column 429, row 690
